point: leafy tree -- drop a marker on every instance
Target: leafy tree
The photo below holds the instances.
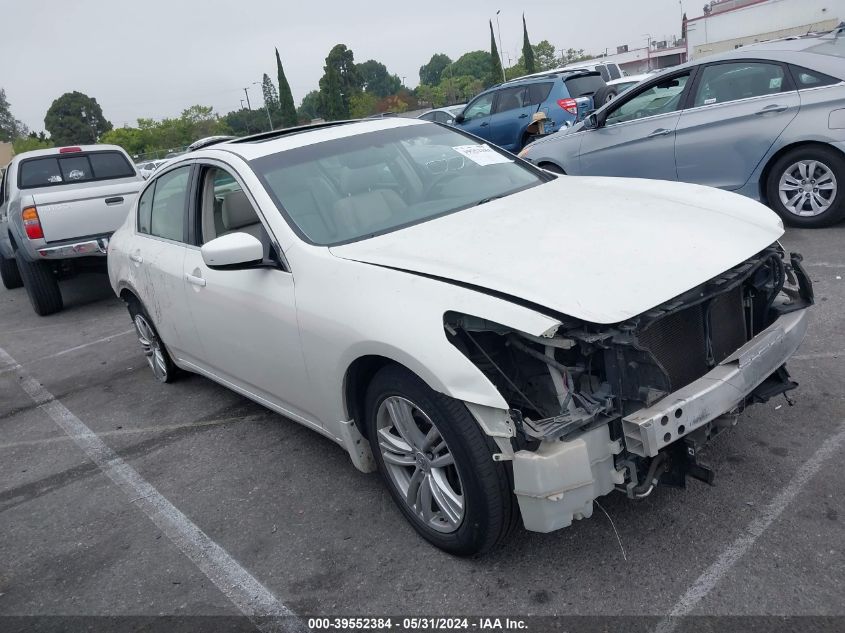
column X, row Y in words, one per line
column 332, row 103
column 376, row 80
column 527, row 50
column 271, row 97
column 572, row 55
column 10, row 127
column 362, row 104
column 244, row 122
column 545, row 57
column 75, row 118
column 496, row 74
column 434, row 96
column 517, row 70
column 310, row 107
column 31, row 142
column 287, row 110
column 129, row 138
column 393, row 103
column 431, row 73
column 474, row 64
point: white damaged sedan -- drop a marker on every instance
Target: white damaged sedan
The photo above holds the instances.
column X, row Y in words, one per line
column 500, row 343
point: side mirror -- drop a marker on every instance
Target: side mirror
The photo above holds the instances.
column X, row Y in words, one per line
column 591, row 121
column 460, row 118
column 235, row 250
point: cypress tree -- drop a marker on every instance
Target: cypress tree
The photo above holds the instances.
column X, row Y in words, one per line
column 287, row 109
column 496, row 74
column 527, row 50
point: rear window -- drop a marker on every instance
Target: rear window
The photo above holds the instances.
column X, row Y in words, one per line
column 538, row 93
column 811, row 79
column 584, row 86
column 71, row 168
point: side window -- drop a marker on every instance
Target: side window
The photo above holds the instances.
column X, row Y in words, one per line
column 480, row 108
column 511, row 99
column 603, row 72
column 169, row 204
column 538, row 93
column 225, row 207
column 613, row 69
column 3, row 185
column 429, row 116
column 659, row 98
column 145, row 205
column 721, row 83
column 811, row 79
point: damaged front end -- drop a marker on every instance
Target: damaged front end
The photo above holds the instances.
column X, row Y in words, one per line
column 598, row 407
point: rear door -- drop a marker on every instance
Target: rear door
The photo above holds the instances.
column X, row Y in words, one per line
column 477, row 115
column 637, row 136
column 511, row 115
column 737, row 111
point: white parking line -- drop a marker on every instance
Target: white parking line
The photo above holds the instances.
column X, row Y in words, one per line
column 816, row 356
column 251, row 597
column 705, row 583
column 6, row 367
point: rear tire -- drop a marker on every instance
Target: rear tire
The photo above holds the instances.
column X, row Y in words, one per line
column 41, row 285
column 465, row 504
column 155, row 352
column 821, row 194
column 603, row 95
column 10, row 274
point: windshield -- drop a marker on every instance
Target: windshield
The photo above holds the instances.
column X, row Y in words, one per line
column 356, row 187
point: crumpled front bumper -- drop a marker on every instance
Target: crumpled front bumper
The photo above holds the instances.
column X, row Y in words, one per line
column 717, row 392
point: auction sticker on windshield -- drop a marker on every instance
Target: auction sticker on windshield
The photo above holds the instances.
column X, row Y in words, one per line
column 482, row 154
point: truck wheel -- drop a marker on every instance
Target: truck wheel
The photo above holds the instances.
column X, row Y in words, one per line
column 806, row 187
column 438, row 465
column 41, row 285
column 155, row 352
column 9, row 273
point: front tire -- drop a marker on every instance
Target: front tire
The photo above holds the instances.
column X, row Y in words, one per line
column 10, row 274
column 805, row 187
column 438, row 465
column 155, row 352
column 41, row 285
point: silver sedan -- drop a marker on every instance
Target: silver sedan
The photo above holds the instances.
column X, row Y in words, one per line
column 766, row 121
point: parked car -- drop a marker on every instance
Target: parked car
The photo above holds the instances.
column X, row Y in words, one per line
column 766, row 120
column 147, row 168
column 624, row 83
column 208, row 141
column 443, row 115
column 58, row 208
column 503, row 113
column 608, row 70
column 496, row 341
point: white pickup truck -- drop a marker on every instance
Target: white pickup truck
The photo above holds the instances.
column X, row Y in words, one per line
column 58, row 208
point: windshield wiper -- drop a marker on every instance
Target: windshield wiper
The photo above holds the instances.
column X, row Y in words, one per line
column 490, row 199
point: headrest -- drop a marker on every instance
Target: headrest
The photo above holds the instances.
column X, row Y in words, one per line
column 354, row 181
column 237, row 211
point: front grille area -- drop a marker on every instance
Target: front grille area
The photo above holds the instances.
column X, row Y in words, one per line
column 688, row 343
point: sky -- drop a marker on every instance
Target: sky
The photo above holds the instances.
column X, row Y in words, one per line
column 154, row 58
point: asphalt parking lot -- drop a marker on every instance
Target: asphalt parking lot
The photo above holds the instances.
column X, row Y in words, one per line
column 288, row 507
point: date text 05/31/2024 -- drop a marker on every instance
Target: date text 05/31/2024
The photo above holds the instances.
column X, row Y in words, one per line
column 417, row 624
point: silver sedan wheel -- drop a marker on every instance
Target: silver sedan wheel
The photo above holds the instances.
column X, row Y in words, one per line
column 420, row 464
column 152, row 347
column 807, row 188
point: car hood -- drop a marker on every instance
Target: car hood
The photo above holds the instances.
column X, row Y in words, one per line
column 597, row 249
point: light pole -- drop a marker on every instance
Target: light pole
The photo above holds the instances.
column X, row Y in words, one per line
column 266, row 107
column 501, row 59
column 246, row 92
column 648, row 50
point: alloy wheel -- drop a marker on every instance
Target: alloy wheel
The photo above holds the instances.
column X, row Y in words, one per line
column 420, row 464
column 152, row 347
column 807, row 188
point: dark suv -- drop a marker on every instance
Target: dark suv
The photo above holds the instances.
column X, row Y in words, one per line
column 502, row 113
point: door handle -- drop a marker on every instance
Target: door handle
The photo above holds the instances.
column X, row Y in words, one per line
column 771, row 109
column 197, row 281
column 523, row 116
column 661, row 131
column 135, row 257
column 485, row 124
column 115, row 200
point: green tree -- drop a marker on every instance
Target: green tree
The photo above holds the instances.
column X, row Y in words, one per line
column 473, row 64
column 376, row 80
column 333, row 106
column 545, row 57
column 572, row 55
column 431, row 73
column 287, row 110
column 31, row 142
column 527, row 50
column 271, row 98
column 309, row 108
column 10, row 127
column 75, row 118
column 434, row 96
column 362, row 104
column 129, row 138
column 496, row 73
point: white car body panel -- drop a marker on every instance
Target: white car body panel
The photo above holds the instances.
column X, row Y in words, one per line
column 536, row 244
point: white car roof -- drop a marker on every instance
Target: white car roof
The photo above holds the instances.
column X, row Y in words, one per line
column 251, row 150
column 629, row 78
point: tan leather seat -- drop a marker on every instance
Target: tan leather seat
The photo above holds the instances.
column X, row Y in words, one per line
column 366, row 208
column 238, row 215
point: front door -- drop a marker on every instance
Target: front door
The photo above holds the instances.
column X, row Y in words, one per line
column 477, row 116
column 511, row 115
column 738, row 111
column 246, row 319
column 637, row 137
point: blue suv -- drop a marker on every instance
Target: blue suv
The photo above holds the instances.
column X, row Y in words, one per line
column 502, row 113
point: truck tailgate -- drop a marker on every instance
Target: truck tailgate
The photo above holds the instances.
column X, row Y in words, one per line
column 83, row 212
